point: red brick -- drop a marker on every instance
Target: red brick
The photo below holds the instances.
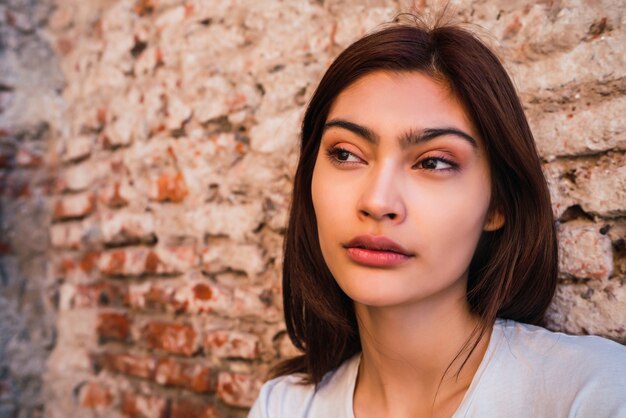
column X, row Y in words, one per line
column 169, row 187
column 183, row 408
column 27, row 158
column 66, row 235
column 76, row 270
column 62, row 267
column 202, row 292
column 74, row 206
column 113, row 262
column 140, row 261
column 124, row 228
column 113, row 326
column 238, row 389
column 225, row 343
column 231, row 255
column 56, row 184
column 193, row 376
column 103, row 293
column 151, row 296
column 203, row 297
column 235, row 221
column 142, row 366
column 171, row 337
column 73, row 235
column 117, row 194
column 78, row 177
column 95, row 395
column 88, row 261
column 139, row 406
column 77, row 148
column 181, row 258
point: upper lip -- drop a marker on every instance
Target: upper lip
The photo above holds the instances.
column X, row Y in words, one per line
column 378, row 243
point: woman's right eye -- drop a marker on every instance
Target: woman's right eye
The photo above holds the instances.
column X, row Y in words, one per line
column 338, row 155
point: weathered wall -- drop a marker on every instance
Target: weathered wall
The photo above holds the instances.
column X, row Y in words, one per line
column 29, row 103
column 171, row 164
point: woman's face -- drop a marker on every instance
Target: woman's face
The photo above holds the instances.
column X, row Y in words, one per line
column 400, row 190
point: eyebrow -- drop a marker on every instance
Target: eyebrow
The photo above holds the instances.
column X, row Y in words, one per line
column 406, row 139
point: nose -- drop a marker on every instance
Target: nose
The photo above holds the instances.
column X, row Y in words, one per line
column 381, row 196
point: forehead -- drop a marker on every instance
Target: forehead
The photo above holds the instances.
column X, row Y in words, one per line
column 383, row 100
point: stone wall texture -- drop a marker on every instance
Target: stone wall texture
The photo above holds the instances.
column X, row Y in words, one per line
column 30, row 84
column 147, row 150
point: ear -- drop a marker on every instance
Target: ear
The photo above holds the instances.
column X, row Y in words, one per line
column 494, row 222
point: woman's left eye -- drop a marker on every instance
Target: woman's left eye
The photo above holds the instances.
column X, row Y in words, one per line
column 437, row 164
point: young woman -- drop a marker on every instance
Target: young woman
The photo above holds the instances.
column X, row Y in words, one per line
column 421, row 251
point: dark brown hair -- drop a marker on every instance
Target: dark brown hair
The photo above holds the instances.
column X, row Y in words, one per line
column 513, row 272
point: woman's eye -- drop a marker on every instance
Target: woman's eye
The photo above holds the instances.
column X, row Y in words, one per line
column 339, row 155
column 343, row 155
column 437, row 164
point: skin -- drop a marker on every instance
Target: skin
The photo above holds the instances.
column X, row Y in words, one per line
column 414, row 317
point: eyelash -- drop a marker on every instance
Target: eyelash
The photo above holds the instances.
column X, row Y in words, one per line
column 333, row 154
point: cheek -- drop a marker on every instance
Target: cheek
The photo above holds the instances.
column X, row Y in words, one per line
column 452, row 223
column 332, row 203
column 321, row 199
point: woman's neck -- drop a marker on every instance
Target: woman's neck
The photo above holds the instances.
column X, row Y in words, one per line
column 406, row 351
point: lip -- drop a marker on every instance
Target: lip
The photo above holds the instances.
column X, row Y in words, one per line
column 377, row 251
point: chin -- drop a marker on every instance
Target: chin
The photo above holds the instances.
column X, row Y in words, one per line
column 376, row 299
column 394, row 289
column 378, row 292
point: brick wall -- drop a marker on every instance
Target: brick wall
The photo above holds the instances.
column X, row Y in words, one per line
column 170, row 168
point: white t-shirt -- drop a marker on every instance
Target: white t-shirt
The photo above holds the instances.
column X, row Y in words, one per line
column 527, row 371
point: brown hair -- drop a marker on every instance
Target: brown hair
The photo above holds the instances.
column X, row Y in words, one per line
column 513, row 272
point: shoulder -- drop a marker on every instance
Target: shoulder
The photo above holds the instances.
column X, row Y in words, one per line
column 571, row 372
column 288, row 397
column 591, row 354
column 282, row 397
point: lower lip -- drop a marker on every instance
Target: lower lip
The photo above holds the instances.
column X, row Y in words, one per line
column 375, row 258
